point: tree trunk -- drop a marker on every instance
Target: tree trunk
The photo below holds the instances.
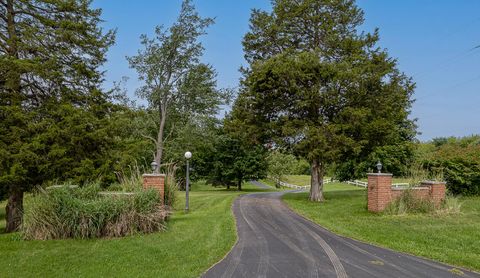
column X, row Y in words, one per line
column 239, row 184
column 159, row 153
column 228, row 186
column 316, row 181
column 14, row 211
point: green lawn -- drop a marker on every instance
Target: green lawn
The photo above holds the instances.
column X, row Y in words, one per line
column 303, row 180
column 300, row 180
column 453, row 239
column 192, row 243
column 271, row 183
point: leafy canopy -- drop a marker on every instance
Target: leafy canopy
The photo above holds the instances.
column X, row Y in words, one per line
column 176, row 84
column 319, row 87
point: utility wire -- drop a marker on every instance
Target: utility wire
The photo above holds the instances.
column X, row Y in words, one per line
column 460, row 29
column 448, row 62
column 457, row 85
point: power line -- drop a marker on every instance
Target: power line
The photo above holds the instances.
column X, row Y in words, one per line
column 448, row 62
column 451, row 87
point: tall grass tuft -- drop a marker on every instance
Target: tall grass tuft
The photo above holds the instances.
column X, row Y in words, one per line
column 129, row 180
column 171, row 185
column 451, row 205
column 67, row 212
column 417, row 174
column 407, row 203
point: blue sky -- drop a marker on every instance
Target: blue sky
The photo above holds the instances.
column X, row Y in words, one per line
column 433, row 41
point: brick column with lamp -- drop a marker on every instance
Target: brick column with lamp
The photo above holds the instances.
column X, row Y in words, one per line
column 155, row 181
column 379, row 191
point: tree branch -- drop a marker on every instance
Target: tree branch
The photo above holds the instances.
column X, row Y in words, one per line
column 149, row 137
column 170, row 133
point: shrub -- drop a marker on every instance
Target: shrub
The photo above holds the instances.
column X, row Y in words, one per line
column 82, row 213
column 460, row 160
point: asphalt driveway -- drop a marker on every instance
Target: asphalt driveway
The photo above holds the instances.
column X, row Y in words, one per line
column 276, row 242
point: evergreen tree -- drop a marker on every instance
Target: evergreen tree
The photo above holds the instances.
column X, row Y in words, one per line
column 50, row 52
column 234, row 161
column 317, row 86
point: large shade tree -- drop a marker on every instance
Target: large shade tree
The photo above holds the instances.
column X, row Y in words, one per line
column 50, row 52
column 318, row 86
column 175, row 83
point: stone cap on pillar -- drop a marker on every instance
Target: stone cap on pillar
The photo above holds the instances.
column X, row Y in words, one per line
column 153, row 175
column 379, row 174
column 433, row 182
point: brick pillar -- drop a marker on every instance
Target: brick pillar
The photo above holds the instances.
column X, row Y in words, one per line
column 156, row 181
column 437, row 191
column 379, row 191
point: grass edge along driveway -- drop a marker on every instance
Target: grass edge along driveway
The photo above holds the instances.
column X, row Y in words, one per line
column 452, row 239
column 192, row 243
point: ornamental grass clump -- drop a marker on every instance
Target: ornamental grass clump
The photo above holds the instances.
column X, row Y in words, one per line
column 408, row 202
column 66, row 212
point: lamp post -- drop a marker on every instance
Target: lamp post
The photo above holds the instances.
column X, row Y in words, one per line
column 154, row 166
column 379, row 166
column 188, row 155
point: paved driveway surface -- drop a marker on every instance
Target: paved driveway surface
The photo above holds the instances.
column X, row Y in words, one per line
column 276, row 242
column 260, row 185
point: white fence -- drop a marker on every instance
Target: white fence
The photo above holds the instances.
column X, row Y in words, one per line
column 298, row 186
column 354, row 182
column 358, row 183
column 365, row 184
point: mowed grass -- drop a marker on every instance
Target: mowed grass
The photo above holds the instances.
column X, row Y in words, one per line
column 453, row 239
column 271, row 183
column 300, row 180
column 191, row 244
column 303, row 180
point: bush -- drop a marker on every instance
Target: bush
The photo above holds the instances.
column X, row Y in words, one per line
column 460, row 160
column 66, row 212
